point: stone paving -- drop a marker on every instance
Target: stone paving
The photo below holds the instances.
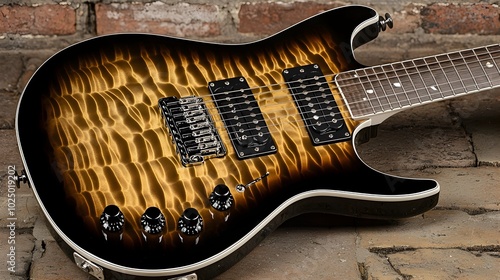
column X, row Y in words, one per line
column 455, row 142
column 459, row 239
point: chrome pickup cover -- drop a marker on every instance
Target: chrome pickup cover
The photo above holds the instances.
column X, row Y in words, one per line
column 192, row 129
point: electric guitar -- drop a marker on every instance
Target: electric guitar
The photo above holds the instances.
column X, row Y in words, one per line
column 153, row 156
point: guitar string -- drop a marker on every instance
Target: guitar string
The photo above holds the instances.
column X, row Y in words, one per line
column 374, row 74
column 458, row 70
column 270, row 127
column 370, row 81
column 306, row 121
column 389, row 64
column 314, row 124
column 454, row 66
column 437, row 62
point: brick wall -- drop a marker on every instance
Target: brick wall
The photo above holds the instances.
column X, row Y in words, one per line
column 31, row 30
column 224, row 19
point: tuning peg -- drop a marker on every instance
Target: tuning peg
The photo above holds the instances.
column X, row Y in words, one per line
column 384, row 22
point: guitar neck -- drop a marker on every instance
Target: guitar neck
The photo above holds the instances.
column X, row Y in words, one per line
column 391, row 87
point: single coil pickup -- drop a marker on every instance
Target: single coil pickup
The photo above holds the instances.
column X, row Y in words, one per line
column 242, row 117
column 316, row 104
column 192, row 129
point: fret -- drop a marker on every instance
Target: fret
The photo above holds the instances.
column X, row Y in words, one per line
column 367, row 90
column 376, row 91
column 415, row 81
column 370, row 90
column 459, row 74
column 351, row 87
column 437, row 79
column 383, row 89
column 446, row 75
column 473, row 62
column 415, row 76
column 485, row 63
column 400, row 80
column 394, row 86
column 494, row 52
column 491, row 63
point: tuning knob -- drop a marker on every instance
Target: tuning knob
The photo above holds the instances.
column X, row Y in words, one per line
column 112, row 219
column 384, row 22
column 153, row 221
column 190, row 223
column 221, row 198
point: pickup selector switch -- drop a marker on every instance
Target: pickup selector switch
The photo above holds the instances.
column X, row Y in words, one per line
column 152, row 220
column 112, row 219
column 190, row 223
column 221, row 198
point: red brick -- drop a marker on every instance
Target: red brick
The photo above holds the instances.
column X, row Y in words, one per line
column 39, row 20
column 180, row 19
column 269, row 18
column 406, row 20
column 481, row 19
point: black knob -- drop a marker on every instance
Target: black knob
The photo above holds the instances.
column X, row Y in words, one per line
column 221, row 198
column 112, row 219
column 191, row 223
column 384, row 22
column 152, row 220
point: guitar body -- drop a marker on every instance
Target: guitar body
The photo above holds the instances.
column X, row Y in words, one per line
column 92, row 134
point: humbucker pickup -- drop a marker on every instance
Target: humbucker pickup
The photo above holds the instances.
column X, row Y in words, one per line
column 316, row 104
column 192, row 129
column 242, row 117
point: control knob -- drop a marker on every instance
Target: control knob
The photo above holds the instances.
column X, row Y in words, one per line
column 221, row 198
column 152, row 220
column 112, row 219
column 190, row 223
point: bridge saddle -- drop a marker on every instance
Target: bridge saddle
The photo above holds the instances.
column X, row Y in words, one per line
column 192, row 129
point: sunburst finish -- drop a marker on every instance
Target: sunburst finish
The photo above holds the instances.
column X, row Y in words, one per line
column 97, row 138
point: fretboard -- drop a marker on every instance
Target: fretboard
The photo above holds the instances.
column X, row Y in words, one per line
column 380, row 89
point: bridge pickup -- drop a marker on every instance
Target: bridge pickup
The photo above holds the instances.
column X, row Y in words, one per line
column 242, row 117
column 192, row 129
column 316, row 104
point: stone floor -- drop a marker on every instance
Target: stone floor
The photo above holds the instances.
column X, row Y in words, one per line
column 454, row 142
